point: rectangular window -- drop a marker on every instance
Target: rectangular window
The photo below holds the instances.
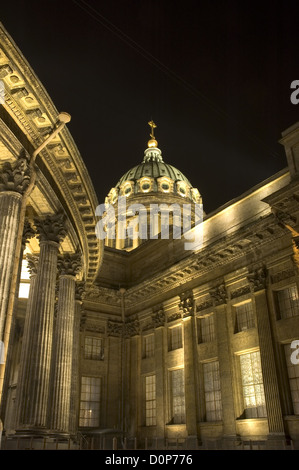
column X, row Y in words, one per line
column 24, row 285
column 93, row 348
column 293, row 373
column 90, row 402
column 206, row 328
column 212, row 391
column 288, row 302
column 253, row 387
column 244, row 317
column 148, row 346
column 150, row 400
column 175, row 340
column 177, row 385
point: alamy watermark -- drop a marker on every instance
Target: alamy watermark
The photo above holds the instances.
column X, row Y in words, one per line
column 295, row 354
column 2, row 92
column 295, row 94
column 159, row 220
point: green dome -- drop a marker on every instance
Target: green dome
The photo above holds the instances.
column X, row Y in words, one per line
column 153, row 169
column 153, row 166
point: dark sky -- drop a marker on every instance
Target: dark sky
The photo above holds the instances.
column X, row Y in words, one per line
column 214, row 75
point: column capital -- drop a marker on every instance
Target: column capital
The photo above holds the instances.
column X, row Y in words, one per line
column 51, row 228
column 28, row 232
column 15, row 176
column 69, row 264
column 219, row 294
column 32, row 264
column 258, row 279
column 79, row 290
column 158, row 316
column 186, row 304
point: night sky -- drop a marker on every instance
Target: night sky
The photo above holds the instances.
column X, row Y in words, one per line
column 215, row 76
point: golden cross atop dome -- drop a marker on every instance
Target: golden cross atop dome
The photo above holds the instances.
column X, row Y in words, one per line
column 153, row 126
column 152, row 142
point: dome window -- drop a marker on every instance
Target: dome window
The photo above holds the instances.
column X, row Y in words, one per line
column 165, row 187
column 145, row 187
column 127, row 190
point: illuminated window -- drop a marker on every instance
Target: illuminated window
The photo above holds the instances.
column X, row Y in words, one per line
column 177, row 386
column 150, row 400
column 93, row 348
column 212, row 391
column 175, row 340
column 145, row 185
column 127, row 190
column 288, row 302
column 24, row 285
column 244, row 317
column 148, row 346
column 293, row 373
column 206, row 328
column 253, row 388
column 90, row 402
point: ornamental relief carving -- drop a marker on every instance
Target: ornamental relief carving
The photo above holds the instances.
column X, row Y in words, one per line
column 15, row 176
column 282, row 275
column 240, row 291
column 186, row 304
column 28, row 232
column 204, row 305
column 258, row 279
column 51, row 228
column 158, row 317
column 219, row 294
column 114, row 328
column 69, row 264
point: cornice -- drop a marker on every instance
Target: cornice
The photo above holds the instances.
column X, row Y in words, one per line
column 29, row 105
column 188, row 272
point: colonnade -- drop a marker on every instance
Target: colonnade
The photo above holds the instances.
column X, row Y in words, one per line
column 44, row 400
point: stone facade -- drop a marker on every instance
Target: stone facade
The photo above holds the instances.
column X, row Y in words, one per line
column 150, row 344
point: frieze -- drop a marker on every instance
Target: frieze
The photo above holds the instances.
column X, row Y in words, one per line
column 240, row 291
column 282, row 275
column 174, row 316
column 204, row 305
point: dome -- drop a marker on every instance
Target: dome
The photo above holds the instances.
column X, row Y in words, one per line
column 153, row 167
column 152, row 176
column 152, row 183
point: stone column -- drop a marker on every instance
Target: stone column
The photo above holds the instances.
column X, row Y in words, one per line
column 74, row 400
column 33, row 390
column 271, row 389
column 186, row 307
column 225, row 364
column 14, row 180
column 158, row 321
column 62, row 359
column 28, row 233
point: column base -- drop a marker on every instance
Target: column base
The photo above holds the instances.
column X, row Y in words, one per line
column 30, row 439
column 276, row 441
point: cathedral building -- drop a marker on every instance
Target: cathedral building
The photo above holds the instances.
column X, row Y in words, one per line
column 132, row 340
